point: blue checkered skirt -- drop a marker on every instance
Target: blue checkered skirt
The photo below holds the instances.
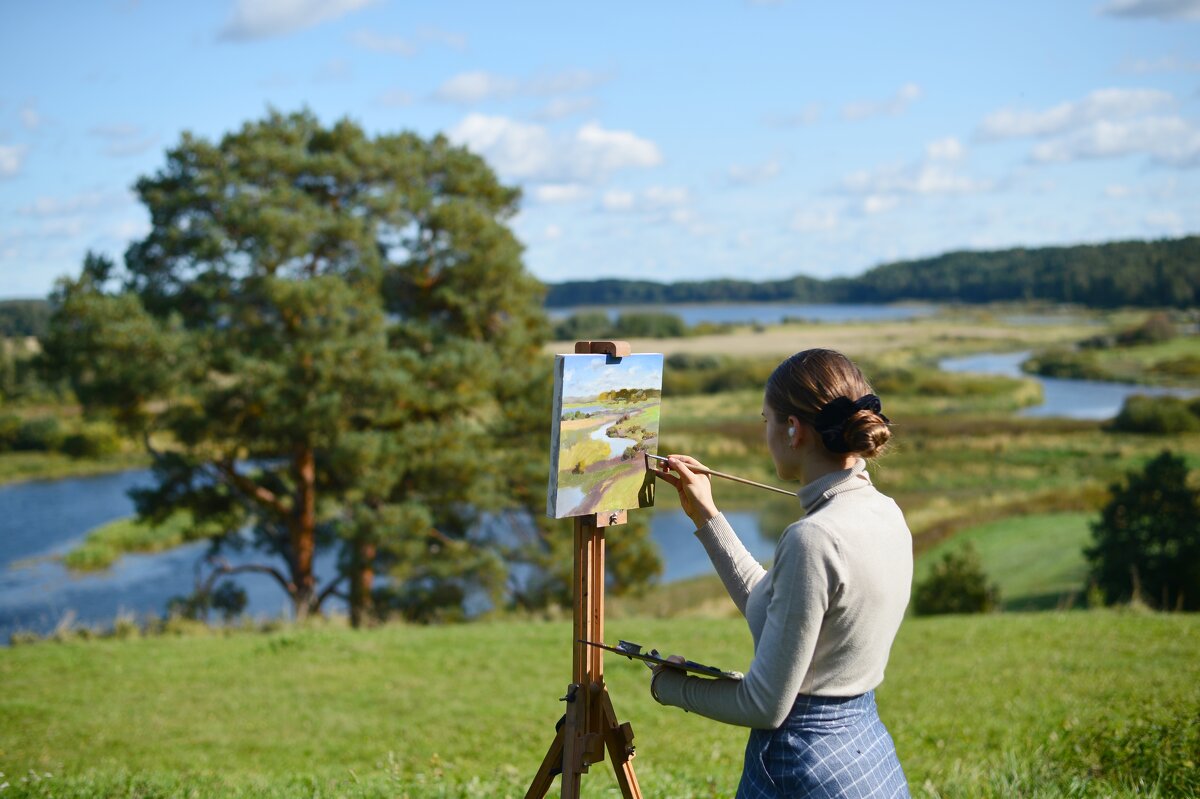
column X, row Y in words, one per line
column 827, row 748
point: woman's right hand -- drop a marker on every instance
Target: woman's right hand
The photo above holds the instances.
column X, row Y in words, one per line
column 694, row 488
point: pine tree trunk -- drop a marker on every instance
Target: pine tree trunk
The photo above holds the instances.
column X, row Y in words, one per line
column 304, row 533
column 362, row 579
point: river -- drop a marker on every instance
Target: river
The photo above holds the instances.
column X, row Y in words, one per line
column 42, row 520
column 1074, row 399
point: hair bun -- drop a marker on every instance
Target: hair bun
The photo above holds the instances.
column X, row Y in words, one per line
column 866, row 433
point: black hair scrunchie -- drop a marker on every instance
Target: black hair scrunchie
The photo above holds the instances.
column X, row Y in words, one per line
column 830, row 421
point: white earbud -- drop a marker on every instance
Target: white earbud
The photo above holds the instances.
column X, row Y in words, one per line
column 791, row 431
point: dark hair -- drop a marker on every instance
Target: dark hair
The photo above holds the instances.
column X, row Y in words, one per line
column 808, row 381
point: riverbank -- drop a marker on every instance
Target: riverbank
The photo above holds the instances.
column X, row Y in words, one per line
column 1091, row 704
column 21, row 467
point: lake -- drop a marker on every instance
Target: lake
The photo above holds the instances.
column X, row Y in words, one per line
column 1074, row 399
column 45, row 519
column 764, row 313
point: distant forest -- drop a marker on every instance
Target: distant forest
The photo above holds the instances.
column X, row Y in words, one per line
column 1162, row 273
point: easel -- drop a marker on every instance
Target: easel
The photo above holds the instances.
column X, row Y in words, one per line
column 590, row 724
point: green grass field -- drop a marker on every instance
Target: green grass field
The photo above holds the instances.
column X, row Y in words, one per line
column 1093, row 703
column 1037, row 561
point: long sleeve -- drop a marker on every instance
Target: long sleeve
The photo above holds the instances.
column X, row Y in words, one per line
column 803, row 579
column 736, row 567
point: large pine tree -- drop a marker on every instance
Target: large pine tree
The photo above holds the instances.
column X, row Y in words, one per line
column 326, row 339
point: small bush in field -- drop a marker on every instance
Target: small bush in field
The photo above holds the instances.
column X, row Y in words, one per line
column 1156, row 416
column 957, row 584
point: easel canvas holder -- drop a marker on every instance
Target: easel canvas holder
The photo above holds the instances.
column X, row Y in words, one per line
column 589, row 727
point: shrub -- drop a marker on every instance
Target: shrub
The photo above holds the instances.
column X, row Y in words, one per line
column 1156, row 415
column 93, row 441
column 1146, row 545
column 649, row 325
column 584, row 326
column 39, row 435
column 957, row 584
column 10, row 427
column 1185, row 366
column 1156, row 328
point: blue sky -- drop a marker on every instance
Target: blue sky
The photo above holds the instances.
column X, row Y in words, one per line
column 662, row 140
column 588, row 375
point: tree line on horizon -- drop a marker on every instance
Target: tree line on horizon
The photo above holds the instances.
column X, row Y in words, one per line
column 1162, row 273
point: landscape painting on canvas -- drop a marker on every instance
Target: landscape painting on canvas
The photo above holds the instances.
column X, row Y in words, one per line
column 606, row 413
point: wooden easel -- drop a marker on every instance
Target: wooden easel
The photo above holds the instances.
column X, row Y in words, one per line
column 590, row 724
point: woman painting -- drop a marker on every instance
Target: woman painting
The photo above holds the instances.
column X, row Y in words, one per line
column 824, row 617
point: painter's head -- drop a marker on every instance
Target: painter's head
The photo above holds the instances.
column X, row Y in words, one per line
column 818, row 388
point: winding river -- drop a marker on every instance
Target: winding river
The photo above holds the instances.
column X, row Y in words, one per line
column 41, row 520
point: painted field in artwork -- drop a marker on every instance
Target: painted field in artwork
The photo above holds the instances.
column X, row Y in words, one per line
column 607, row 413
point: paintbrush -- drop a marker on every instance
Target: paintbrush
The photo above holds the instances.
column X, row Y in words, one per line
column 733, row 477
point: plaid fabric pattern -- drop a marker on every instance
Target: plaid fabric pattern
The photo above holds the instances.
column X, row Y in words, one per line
column 828, row 748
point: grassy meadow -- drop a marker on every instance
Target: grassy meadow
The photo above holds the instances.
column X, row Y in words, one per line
column 1047, row 698
column 1095, row 703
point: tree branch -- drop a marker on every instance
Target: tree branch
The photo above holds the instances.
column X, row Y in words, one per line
column 224, row 568
column 260, row 494
column 329, row 590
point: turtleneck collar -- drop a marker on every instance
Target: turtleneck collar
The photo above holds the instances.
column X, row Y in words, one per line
column 813, row 495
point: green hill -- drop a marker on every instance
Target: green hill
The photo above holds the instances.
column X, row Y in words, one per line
column 1092, row 703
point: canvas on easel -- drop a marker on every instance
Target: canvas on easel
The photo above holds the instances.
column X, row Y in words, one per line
column 606, row 417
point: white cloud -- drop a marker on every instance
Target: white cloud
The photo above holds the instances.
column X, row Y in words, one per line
column 552, row 232
column 652, row 200
column 555, row 193
column 394, row 98
column 406, row 46
column 1166, row 63
column 566, row 82
column 562, row 107
column 335, row 70
column 618, row 200
column 522, row 150
column 928, row 178
column 814, row 220
column 879, row 203
column 124, row 139
column 1169, row 141
column 1153, row 9
column 30, row 118
column 893, row 106
column 747, row 175
column 947, row 149
column 12, row 157
column 808, row 115
column 262, row 19
column 455, row 41
column 665, row 197
column 1169, row 221
column 1103, row 104
column 394, row 45
column 77, row 203
column 473, row 87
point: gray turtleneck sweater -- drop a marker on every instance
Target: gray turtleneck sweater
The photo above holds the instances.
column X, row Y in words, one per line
column 823, row 618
